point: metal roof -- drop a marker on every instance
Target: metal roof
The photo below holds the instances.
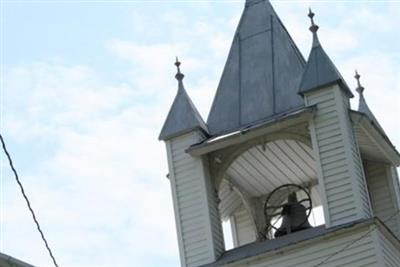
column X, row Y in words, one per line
column 362, row 104
column 183, row 115
column 253, row 131
column 10, row 261
column 363, row 107
column 320, row 70
column 262, row 73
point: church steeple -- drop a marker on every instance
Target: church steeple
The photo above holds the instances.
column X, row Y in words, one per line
column 320, row 70
column 262, row 73
column 183, row 115
column 362, row 104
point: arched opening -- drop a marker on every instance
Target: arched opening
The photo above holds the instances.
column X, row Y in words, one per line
column 252, row 175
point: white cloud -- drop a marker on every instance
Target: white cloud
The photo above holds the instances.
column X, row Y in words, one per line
column 106, row 164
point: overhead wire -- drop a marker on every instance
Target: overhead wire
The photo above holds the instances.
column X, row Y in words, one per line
column 27, row 201
column 354, row 241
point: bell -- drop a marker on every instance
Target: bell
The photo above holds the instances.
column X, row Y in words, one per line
column 294, row 217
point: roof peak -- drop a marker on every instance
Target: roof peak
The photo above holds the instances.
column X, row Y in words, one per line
column 261, row 75
column 320, row 70
column 183, row 115
column 313, row 28
column 362, row 104
column 179, row 76
column 360, row 88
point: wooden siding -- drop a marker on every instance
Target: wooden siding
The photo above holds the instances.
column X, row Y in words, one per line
column 243, row 229
column 357, row 250
column 230, row 201
column 260, row 169
column 341, row 176
column 390, row 250
column 383, row 198
column 195, row 203
column 368, row 148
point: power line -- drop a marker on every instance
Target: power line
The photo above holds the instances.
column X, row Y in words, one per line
column 27, row 201
column 354, row 241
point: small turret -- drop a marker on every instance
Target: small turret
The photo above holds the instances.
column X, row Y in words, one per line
column 320, row 70
column 183, row 116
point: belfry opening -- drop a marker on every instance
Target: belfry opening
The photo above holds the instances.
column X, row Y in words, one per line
column 249, row 181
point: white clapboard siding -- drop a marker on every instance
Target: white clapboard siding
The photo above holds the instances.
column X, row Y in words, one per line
column 340, row 171
column 390, row 250
column 243, row 229
column 229, row 200
column 262, row 168
column 383, row 198
column 195, row 203
column 357, row 250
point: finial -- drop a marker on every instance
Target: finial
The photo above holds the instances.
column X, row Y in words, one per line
column 360, row 88
column 179, row 76
column 314, row 27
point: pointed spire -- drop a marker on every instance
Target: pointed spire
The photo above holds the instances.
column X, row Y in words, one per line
column 320, row 70
column 183, row 116
column 362, row 104
column 179, row 76
column 261, row 75
column 313, row 28
column 360, row 88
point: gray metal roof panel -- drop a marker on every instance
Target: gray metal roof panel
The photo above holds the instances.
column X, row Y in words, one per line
column 11, row 261
column 262, row 73
column 320, row 71
column 182, row 117
column 364, row 108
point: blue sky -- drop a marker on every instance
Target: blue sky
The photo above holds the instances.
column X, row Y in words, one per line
column 86, row 87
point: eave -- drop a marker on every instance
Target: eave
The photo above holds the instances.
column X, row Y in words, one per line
column 373, row 143
column 242, row 135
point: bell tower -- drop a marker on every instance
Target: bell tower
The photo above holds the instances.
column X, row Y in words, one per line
column 195, row 202
column 280, row 147
column 339, row 165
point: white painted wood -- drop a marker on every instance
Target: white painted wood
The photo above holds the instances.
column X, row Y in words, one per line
column 390, row 249
column 261, row 169
column 383, row 197
column 239, row 137
column 373, row 144
column 230, row 201
column 394, row 184
column 375, row 234
column 357, row 250
column 243, row 228
column 340, row 173
column 199, row 229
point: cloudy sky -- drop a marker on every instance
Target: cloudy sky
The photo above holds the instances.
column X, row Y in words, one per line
column 85, row 89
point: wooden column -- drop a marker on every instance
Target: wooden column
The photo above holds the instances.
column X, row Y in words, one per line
column 340, row 172
column 199, row 229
